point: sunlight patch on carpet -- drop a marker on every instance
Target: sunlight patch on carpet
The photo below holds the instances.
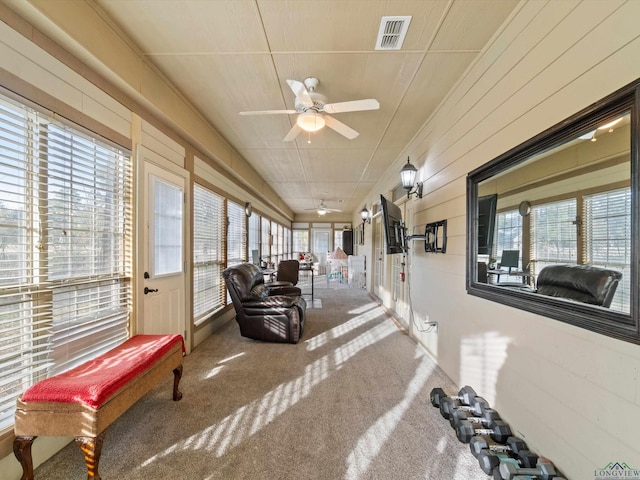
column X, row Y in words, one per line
column 348, row 326
column 248, row 420
column 372, row 441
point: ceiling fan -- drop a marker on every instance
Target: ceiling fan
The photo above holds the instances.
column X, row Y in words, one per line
column 312, row 106
column 322, row 209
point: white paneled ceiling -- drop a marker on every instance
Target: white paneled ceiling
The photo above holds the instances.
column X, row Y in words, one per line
column 227, row 56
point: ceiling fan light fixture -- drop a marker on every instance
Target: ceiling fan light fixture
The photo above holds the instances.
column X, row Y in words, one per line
column 322, row 211
column 310, row 121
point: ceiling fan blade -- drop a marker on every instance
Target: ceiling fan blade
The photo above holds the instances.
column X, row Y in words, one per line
column 300, row 92
column 293, row 133
column 268, row 112
column 340, row 127
column 352, row 106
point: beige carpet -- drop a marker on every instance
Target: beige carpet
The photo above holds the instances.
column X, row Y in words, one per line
column 350, row 401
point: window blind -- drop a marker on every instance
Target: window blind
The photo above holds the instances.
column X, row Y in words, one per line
column 508, row 233
column 236, row 234
column 553, row 234
column 265, row 239
column 208, row 252
column 254, row 234
column 607, row 218
column 65, row 253
column 287, row 243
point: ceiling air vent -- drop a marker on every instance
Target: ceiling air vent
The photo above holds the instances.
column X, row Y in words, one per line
column 392, row 32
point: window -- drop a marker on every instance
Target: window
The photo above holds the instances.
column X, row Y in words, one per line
column 254, row 236
column 508, row 233
column 236, row 234
column 265, row 240
column 300, row 241
column 607, row 218
column 287, row 243
column 275, row 246
column 65, row 265
column 553, row 234
column 337, row 239
column 208, row 248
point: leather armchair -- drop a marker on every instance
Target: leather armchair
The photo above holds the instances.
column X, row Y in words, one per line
column 582, row 283
column 274, row 314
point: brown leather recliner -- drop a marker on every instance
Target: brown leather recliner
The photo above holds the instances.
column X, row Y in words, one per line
column 273, row 314
column 581, row 283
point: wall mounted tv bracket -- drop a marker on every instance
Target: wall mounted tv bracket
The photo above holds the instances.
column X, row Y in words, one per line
column 435, row 237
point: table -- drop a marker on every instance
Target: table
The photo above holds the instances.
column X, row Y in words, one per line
column 268, row 274
column 526, row 275
column 307, row 267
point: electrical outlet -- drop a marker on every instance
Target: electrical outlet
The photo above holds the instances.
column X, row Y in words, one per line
column 428, row 323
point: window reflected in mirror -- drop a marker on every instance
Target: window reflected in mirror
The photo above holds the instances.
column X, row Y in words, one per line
column 551, row 223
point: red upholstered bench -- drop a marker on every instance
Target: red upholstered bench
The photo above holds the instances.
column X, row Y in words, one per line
column 84, row 401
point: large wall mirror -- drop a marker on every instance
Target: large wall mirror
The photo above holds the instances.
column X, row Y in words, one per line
column 553, row 223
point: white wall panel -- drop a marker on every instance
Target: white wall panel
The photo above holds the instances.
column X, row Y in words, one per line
column 36, row 67
column 571, row 393
column 157, row 141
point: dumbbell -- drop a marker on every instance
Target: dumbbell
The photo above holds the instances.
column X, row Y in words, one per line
column 486, row 416
column 465, row 395
column 490, row 458
column 544, row 470
column 475, row 406
column 497, row 429
column 480, row 443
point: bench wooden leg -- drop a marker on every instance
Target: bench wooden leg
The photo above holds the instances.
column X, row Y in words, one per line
column 22, row 451
column 177, row 375
column 92, row 448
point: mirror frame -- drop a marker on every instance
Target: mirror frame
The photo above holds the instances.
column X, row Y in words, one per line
column 597, row 319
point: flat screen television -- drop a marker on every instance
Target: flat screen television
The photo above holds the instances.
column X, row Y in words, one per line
column 486, row 223
column 393, row 225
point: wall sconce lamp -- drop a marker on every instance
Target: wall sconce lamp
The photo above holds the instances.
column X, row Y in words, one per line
column 408, row 176
column 364, row 214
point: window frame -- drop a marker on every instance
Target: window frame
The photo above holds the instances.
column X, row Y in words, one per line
column 77, row 241
column 601, row 320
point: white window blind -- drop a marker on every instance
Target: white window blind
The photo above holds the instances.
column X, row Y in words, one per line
column 254, row 235
column 236, row 234
column 553, row 234
column 65, row 265
column 508, row 233
column 607, row 218
column 300, row 241
column 265, row 239
column 208, row 253
column 287, row 243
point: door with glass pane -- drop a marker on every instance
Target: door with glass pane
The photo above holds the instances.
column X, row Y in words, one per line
column 320, row 246
column 163, row 258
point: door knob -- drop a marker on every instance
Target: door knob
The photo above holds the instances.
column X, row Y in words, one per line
column 149, row 290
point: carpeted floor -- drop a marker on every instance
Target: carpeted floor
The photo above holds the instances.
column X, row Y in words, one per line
column 350, row 401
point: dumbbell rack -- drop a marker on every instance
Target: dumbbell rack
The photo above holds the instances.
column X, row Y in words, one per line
column 500, row 454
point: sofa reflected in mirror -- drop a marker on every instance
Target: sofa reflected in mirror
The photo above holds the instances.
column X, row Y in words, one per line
column 272, row 314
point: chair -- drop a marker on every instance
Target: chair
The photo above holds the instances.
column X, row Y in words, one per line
column 273, row 314
column 582, row 283
column 287, row 273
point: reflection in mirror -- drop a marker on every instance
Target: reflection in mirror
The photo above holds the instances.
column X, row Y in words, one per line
column 551, row 223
